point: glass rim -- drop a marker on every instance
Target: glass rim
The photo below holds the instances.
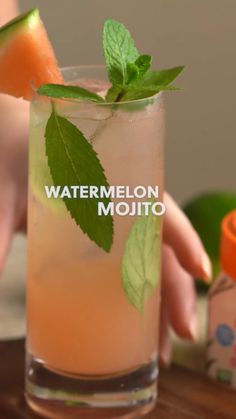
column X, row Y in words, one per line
column 152, row 98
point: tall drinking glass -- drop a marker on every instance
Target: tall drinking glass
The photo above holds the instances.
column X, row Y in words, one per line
column 90, row 352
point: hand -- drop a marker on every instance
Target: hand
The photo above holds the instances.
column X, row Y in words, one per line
column 14, row 123
column 183, row 258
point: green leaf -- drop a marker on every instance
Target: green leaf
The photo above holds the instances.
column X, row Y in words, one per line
column 136, row 70
column 206, row 213
column 141, row 92
column 131, row 92
column 119, row 50
column 161, row 77
column 73, row 161
column 141, row 260
column 113, row 94
column 143, row 63
column 132, row 73
column 68, row 92
column 150, row 84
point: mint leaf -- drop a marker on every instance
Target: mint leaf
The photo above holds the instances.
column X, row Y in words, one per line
column 132, row 73
column 136, row 70
column 142, row 92
column 73, row 161
column 162, row 77
column 141, row 260
column 143, row 63
column 133, row 92
column 150, row 84
column 113, row 94
column 68, row 92
column 119, row 50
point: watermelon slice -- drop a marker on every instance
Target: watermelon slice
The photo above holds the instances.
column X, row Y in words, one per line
column 27, row 59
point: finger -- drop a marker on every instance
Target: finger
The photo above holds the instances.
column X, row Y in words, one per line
column 180, row 296
column 165, row 349
column 181, row 236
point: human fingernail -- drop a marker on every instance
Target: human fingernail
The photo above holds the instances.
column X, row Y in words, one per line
column 193, row 328
column 206, row 270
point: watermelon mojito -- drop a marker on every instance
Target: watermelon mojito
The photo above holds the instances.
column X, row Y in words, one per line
column 94, row 223
column 80, row 321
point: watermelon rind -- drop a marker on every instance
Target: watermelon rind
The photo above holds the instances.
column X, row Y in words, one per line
column 24, row 21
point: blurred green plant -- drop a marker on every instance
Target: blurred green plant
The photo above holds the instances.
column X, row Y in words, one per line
column 206, row 212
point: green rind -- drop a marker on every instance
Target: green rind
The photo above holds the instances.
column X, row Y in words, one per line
column 24, row 21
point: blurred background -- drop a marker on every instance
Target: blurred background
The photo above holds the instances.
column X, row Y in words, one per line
column 201, row 122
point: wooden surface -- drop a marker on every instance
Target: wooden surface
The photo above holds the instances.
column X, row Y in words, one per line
column 183, row 393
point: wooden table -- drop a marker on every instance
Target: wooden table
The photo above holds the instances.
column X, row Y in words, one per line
column 184, row 394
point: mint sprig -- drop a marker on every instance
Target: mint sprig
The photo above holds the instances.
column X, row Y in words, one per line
column 73, row 161
column 128, row 70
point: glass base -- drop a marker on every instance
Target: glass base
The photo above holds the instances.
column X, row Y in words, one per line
column 54, row 395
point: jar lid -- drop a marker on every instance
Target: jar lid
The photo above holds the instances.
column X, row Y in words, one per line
column 228, row 244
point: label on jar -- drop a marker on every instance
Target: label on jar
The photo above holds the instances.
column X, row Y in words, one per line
column 221, row 349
